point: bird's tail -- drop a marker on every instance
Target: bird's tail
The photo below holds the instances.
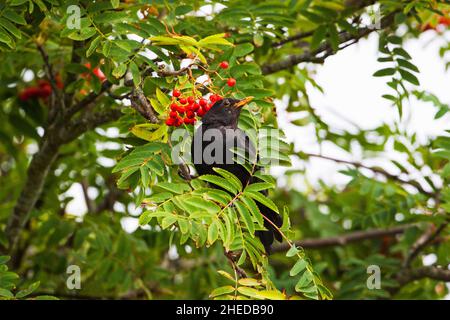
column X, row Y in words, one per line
column 267, row 237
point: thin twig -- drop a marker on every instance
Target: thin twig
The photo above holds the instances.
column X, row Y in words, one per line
column 422, row 242
column 343, row 240
column 383, row 172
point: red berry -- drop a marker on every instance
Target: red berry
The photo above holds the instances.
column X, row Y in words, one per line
column 174, row 107
column 231, row 82
column 218, row 97
column 183, row 101
column 195, row 107
column 190, row 114
column 213, row 98
column 170, row 122
column 45, row 91
column 99, row 74
column 180, row 109
column 201, row 112
column 191, row 99
column 176, row 93
column 173, row 114
column 224, row 64
column 203, row 102
column 178, row 122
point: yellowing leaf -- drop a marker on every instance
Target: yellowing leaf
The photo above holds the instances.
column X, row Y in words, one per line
column 214, row 40
column 141, row 131
column 249, row 282
column 271, row 295
column 220, row 291
column 226, row 275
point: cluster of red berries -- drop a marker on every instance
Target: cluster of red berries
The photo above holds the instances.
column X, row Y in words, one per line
column 42, row 90
column 443, row 21
column 96, row 71
column 184, row 110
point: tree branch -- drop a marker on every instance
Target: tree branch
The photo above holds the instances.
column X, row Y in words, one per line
column 424, row 240
column 345, row 239
column 140, row 103
column 37, row 172
column 89, row 203
column 432, row 272
column 383, row 172
column 90, row 98
column 325, row 50
column 41, row 162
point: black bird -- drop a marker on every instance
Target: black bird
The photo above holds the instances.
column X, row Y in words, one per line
column 219, row 132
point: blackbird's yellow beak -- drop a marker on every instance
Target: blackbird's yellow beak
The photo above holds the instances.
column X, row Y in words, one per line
column 243, row 102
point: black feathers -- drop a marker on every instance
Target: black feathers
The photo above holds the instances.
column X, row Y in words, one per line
column 212, row 148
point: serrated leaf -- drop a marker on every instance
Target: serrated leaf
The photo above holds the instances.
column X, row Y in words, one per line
column 221, row 291
column 246, row 217
column 249, row 282
column 262, row 199
column 219, row 181
column 299, row 266
column 213, row 232
column 93, row 46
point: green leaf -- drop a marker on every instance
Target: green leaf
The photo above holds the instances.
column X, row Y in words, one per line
column 246, row 217
column 202, row 204
column 259, row 186
column 385, row 72
column 213, row 232
column 28, row 291
column 292, row 252
column 299, row 266
column 168, row 221
column 178, row 188
column 115, row 3
column 135, row 73
column 243, row 49
column 406, row 64
column 221, row 291
column 219, row 181
column 10, row 28
column 5, row 38
column 230, row 177
column 402, row 52
column 4, row 259
column 408, row 76
column 249, row 282
column 271, row 295
column 106, row 48
column 93, row 46
column 318, row 36
column 253, row 293
column 6, row 293
column 262, row 199
column 333, row 37
column 83, row 34
column 14, row 17
column 120, row 70
column 254, row 210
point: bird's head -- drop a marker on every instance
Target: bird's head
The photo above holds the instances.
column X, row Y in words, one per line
column 225, row 112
